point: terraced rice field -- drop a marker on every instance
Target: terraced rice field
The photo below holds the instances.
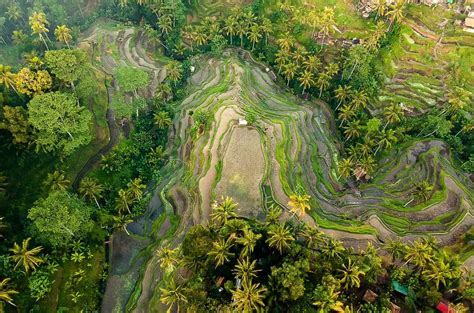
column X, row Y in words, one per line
column 299, row 150
column 290, row 144
column 417, row 67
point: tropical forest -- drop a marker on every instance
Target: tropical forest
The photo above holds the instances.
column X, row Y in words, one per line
column 188, row 156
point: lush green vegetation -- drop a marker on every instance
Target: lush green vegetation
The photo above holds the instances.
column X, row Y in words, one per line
column 248, row 265
column 122, row 121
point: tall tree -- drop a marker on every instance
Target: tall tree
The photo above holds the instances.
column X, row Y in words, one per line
column 60, row 124
column 25, row 257
column 33, row 83
column 38, row 24
column 223, row 211
column 172, row 294
column 221, row 251
column 135, row 189
column 280, row 237
column 63, row 34
column 56, row 181
column 299, row 203
column 7, row 78
column 60, row 218
column 91, row 189
column 6, row 294
column 249, row 298
column 14, row 120
column 306, row 80
column 162, row 119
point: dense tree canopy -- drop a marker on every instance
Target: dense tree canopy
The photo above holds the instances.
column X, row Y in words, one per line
column 68, row 65
column 60, row 218
column 60, row 124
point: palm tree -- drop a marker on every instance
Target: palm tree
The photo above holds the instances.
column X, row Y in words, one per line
column 333, row 249
column 14, row 12
column 311, row 64
column 135, row 189
column 174, row 71
column 380, row 6
column 249, row 298
column 273, row 215
column 26, row 258
column 7, row 78
column 38, row 24
column 350, row 275
column 438, row 272
column 289, row 71
column 241, row 30
column 306, row 80
column 249, row 241
column 419, row 254
column 423, row 190
column 323, row 82
column 121, row 222
column 328, row 301
column 311, row 235
column 365, row 148
column 327, row 22
column 162, row 119
column 346, row 113
column 254, row 35
column 299, row 55
column 345, row 166
column 6, row 294
column 343, row 93
column 223, row 211
column 189, row 35
column 367, row 165
column 396, row 248
column 201, row 37
column 386, row 139
column 163, row 92
column 393, row 114
column 57, row 181
column 91, row 189
column 266, row 28
column 299, row 203
column 281, row 59
column 172, row 294
column 286, row 42
column 359, row 99
column 332, row 69
column 230, row 27
column 246, row 270
column 165, row 24
column 280, row 237
column 168, row 258
column 395, row 13
column 63, row 34
column 220, row 251
column 18, row 37
column 123, row 202
column 352, row 130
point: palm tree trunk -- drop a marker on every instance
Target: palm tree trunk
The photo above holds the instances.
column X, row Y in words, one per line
column 96, row 202
column 44, row 41
column 320, row 92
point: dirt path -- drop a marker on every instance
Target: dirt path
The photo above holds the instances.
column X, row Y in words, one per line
column 114, row 134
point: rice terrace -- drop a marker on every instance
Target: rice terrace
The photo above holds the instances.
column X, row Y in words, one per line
column 236, row 156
